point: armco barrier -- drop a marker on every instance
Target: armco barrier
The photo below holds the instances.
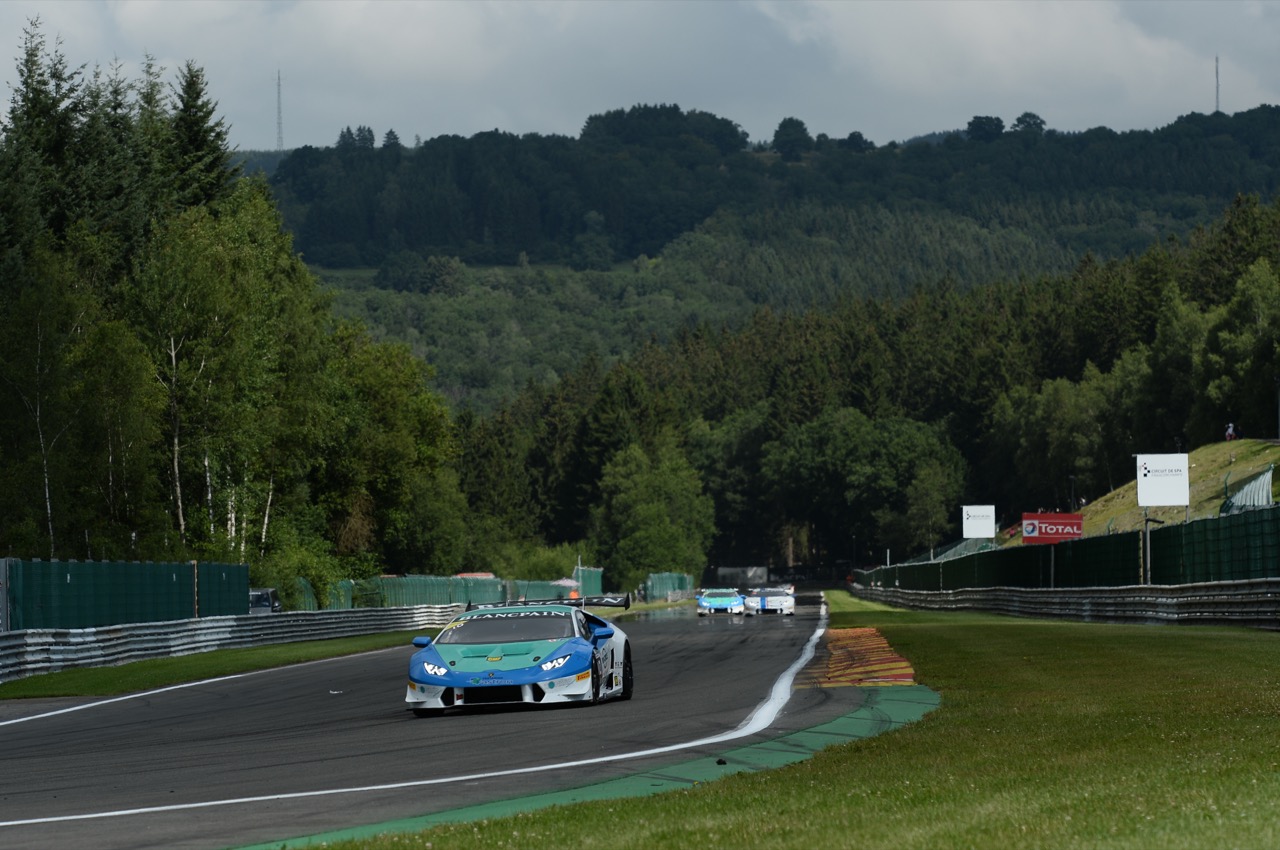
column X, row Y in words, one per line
column 1254, row 603
column 24, row 653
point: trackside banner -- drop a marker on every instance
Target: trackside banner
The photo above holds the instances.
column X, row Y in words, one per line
column 979, row 521
column 1163, row 481
column 1051, row 528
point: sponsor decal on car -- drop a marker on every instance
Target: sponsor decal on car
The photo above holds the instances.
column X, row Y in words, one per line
column 502, row 615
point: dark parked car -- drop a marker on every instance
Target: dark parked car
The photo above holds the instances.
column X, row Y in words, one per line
column 264, row 600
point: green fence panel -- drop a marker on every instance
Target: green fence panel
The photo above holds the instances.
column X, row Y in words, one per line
column 1236, row 547
column 1112, row 560
column 342, row 595
column 537, row 590
column 657, row 586
column 84, row 594
column 222, row 590
column 479, row 590
column 590, row 580
column 304, row 596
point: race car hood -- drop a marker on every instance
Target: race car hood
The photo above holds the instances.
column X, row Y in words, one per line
column 475, row 657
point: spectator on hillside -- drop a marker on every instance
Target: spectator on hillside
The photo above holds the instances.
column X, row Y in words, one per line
column 1231, row 431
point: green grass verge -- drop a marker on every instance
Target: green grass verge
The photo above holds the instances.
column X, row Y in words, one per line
column 1050, row 735
column 163, row 672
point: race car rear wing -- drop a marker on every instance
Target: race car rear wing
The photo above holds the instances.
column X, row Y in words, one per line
column 623, row 601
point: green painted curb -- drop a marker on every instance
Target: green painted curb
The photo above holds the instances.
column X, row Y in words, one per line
column 885, row 708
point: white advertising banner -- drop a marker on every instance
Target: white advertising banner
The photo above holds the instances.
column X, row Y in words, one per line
column 979, row 521
column 1163, row 481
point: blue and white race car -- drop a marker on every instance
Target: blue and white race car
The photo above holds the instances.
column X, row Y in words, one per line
column 770, row 600
column 535, row 653
column 714, row 600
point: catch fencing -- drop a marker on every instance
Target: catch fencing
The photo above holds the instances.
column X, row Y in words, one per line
column 80, row 594
column 1238, row 547
column 1223, row 570
column 667, row 586
column 1254, row 603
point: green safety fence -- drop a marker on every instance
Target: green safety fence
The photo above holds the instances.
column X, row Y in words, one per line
column 657, row 586
column 86, row 594
column 1112, row 560
column 401, row 591
column 590, row 580
column 538, row 590
column 305, row 596
column 1235, row 547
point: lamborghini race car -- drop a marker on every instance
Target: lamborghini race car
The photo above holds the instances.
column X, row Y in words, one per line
column 536, row 652
column 770, row 600
column 718, row 599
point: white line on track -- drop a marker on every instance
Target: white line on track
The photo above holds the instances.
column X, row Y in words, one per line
column 143, row 694
column 760, row 719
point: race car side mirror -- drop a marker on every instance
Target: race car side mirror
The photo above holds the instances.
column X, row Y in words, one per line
column 422, row 640
column 603, row 634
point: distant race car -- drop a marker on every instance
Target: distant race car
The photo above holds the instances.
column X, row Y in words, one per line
column 770, row 600
column 536, row 653
column 715, row 600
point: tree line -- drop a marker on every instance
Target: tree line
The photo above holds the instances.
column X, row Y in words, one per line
column 834, row 434
column 504, row 259
column 174, row 384
column 179, row 385
column 635, row 180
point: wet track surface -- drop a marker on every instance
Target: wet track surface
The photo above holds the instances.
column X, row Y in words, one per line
column 326, row 745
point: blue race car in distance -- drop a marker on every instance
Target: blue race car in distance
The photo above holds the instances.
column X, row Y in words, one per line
column 535, row 653
column 720, row 599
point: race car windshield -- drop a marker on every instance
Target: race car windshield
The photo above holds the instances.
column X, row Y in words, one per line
column 509, row 627
column 771, row 593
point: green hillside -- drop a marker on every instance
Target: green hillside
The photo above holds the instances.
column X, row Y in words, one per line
column 1215, row 471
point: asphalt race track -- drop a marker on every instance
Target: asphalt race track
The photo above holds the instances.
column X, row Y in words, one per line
column 313, row 748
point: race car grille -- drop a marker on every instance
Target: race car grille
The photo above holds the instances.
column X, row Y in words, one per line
column 494, row 693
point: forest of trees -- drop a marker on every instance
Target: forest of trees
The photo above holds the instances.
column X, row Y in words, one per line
column 635, row 180
column 174, row 384
column 179, row 384
column 505, row 259
column 842, row 432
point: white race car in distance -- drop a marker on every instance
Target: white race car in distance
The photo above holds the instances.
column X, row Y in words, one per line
column 770, row 600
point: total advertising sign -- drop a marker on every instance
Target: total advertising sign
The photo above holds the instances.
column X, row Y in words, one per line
column 1051, row 528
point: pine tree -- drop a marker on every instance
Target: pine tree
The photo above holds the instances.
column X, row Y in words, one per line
column 199, row 154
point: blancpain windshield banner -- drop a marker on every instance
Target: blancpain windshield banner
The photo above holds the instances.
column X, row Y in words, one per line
column 979, row 521
column 1163, row 481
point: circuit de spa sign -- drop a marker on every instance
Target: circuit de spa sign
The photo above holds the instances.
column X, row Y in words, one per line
column 1052, row 528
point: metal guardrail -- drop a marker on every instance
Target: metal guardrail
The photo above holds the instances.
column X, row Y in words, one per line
column 1254, row 603
column 25, row 653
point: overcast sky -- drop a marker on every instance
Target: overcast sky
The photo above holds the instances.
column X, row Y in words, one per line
column 890, row 70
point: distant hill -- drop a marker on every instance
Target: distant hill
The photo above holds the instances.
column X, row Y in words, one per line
column 1215, row 471
column 505, row 259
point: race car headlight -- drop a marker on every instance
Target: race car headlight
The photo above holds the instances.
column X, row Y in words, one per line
column 434, row 669
column 555, row 663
